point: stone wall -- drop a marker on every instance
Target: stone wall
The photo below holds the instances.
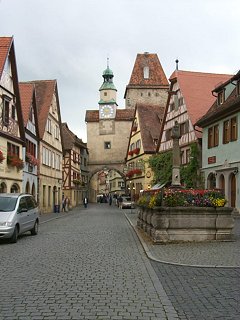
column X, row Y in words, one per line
column 182, row 224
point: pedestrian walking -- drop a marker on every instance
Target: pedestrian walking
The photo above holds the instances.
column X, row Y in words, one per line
column 120, row 201
column 110, row 200
column 85, row 202
column 63, row 204
column 67, row 203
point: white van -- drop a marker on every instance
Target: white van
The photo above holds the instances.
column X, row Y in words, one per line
column 19, row 213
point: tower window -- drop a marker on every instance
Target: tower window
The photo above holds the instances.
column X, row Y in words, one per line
column 146, row 72
column 105, row 94
column 107, row 145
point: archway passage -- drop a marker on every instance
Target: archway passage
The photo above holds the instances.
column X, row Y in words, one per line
column 222, row 183
column 106, row 182
column 27, row 189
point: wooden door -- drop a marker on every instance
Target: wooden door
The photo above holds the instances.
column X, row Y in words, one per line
column 233, row 191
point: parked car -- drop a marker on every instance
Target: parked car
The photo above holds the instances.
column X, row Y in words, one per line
column 19, row 213
column 127, row 203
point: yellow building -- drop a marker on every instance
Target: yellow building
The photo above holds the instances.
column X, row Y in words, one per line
column 142, row 145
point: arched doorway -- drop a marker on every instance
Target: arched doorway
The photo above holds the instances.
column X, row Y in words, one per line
column 3, row 187
column 33, row 191
column 233, row 190
column 222, row 183
column 27, row 189
column 211, row 181
column 15, row 188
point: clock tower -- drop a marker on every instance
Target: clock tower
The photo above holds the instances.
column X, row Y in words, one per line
column 107, row 103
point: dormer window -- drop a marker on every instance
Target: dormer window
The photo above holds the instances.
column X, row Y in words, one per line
column 146, row 72
column 238, row 88
column 221, row 97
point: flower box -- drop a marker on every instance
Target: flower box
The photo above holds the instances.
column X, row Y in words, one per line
column 31, row 159
column 130, row 153
column 137, row 150
column 14, row 161
column 1, row 157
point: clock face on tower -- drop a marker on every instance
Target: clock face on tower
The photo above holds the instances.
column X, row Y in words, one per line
column 106, row 111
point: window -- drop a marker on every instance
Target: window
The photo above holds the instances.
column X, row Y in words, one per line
column 57, row 132
column 13, row 149
column 146, row 72
column 49, row 126
column 171, row 107
column 213, row 136
column 53, row 160
column 31, row 148
column 13, row 115
column 107, row 145
column 105, row 93
column 132, row 146
column 149, row 94
column 180, row 101
column 230, row 130
column 168, row 134
column 226, row 132
column 138, row 144
column 31, row 115
column 5, row 112
column 233, row 134
column 184, row 128
column 221, row 97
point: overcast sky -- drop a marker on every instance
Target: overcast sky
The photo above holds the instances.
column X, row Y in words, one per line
column 70, row 41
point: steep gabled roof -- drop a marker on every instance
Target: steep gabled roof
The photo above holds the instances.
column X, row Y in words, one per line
column 196, row 89
column 7, row 50
column 44, row 94
column 150, row 122
column 121, row 115
column 157, row 77
column 70, row 139
column 229, row 106
column 28, row 100
column 5, row 46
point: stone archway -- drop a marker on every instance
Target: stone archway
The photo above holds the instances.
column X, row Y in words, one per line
column 15, row 188
column 3, row 187
column 211, row 181
column 33, row 190
column 105, row 180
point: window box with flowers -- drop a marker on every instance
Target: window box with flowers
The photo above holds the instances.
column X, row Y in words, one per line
column 130, row 152
column 13, row 160
column 130, row 173
column 137, row 171
column 134, row 128
column 1, row 157
column 170, row 215
column 31, row 159
column 136, row 151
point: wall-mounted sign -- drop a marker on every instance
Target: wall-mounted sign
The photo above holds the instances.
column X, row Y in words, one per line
column 211, row 159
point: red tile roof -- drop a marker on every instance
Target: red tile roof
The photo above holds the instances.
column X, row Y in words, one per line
column 5, row 45
column 44, row 94
column 196, row 89
column 70, row 139
column 121, row 115
column 157, row 76
column 150, row 122
column 26, row 95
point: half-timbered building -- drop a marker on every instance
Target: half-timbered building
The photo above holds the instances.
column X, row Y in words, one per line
column 189, row 98
column 50, row 145
column 30, row 171
column 143, row 142
column 12, row 137
column 74, row 180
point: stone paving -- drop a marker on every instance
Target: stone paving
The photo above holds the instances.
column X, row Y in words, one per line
column 87, row 265
column 197, row 291
column 210, row 254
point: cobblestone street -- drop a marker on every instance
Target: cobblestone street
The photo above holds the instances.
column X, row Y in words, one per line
column 89, row 264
